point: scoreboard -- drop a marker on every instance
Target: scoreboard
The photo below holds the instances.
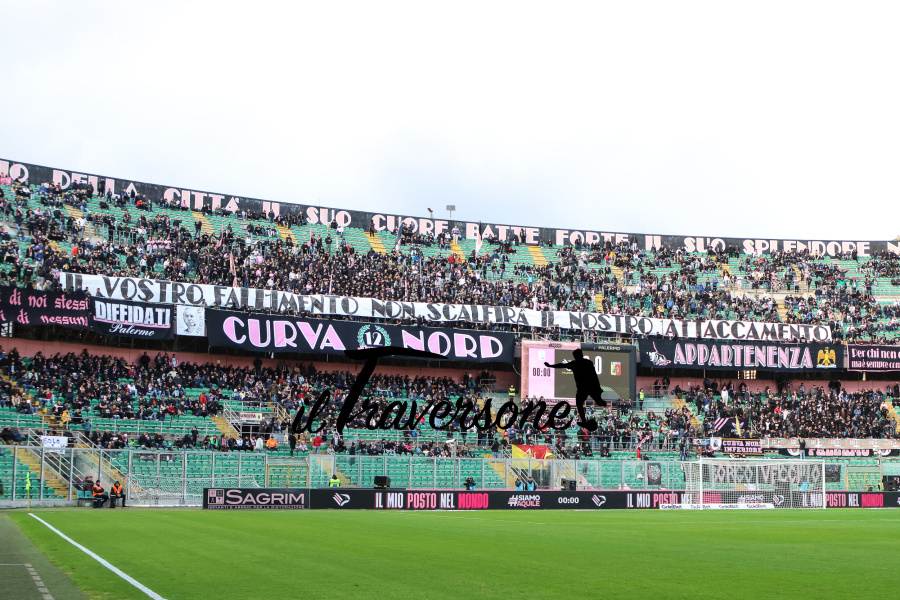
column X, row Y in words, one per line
column 615, row 365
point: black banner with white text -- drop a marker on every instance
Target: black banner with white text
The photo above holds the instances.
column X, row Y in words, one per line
column 258, row 332
column 384, row 221
column 873, row 358
column 133, row 319
column 426, row 500
column 31, row 307
column 735, row 356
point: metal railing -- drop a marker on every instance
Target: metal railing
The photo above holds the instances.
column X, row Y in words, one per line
column 45, row 476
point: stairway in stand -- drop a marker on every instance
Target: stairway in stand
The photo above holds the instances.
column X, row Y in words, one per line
column 224, row 427
column 377, row 244
column 537, row 255
column 32, row 459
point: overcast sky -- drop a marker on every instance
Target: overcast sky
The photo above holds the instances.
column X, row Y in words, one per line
column 771, row 119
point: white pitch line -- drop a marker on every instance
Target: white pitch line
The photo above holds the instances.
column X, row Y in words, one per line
column 38, row 582
column 101, row 560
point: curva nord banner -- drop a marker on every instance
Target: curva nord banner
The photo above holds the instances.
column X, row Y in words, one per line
column 132, row 319
column 258, row 332
column 384, row 221
column 873, row 358
column 732, row 356
column 36, row 307
column 201, row 295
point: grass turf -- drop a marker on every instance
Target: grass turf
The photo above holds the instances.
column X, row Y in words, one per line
column 491, row 554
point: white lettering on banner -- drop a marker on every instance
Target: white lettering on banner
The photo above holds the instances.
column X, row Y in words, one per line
column 765, row 474
column 201, row 295
column 54, row 443
column 198, row 200
column 128, row 315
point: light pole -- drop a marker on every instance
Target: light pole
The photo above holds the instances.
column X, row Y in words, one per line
column 450, row 209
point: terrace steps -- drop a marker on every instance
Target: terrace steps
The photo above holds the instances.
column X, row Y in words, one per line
column 456, row 249
column 537, row 255
column 76, row 213
column 224, row 427
column 32, row 459
column 205, row 226
column 892, row 411
column 781, row 308
column 377, row 244
column 286, row 233
column 618, row 273
column 327, row 466
column 679, row 403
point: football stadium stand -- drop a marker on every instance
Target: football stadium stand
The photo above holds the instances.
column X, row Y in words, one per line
column 132, row 408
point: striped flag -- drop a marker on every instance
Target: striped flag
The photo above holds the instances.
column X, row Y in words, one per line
column 719, row 423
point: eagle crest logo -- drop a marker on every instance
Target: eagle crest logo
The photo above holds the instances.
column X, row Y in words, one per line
column 826, row 358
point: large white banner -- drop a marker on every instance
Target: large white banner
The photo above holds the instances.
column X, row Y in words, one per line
column 54, row 443
column 203, row 295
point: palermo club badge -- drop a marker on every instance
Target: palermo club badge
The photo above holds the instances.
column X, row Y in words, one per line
column 372, row 336
column 826, row 358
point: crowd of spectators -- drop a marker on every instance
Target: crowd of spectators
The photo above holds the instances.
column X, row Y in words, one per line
column 617, row 279
column 74, row 388
column 828, row 412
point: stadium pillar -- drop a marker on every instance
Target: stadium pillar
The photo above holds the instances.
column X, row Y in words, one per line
column 128, row 477
column 240, row 480
column 434, row 473
column 71, row 468
column 621, row 474
column 184, row 478
column 41, row 481
column 212, row 469
column 14, row 480
column 481, row 483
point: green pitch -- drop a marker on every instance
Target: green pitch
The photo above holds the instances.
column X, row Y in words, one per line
column 491, row 554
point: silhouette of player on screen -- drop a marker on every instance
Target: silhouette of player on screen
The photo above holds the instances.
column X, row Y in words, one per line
column 587, row 385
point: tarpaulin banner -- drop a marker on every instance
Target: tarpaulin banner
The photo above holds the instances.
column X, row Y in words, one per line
column 741, row 446
column 138, row 289
column 841, row 452
column 733, row 356
column 384, row 221
column 54, row 443
column 776, row 443
column 873, row 358
column 132, row 319
column 35, row 308
column 283, row 334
